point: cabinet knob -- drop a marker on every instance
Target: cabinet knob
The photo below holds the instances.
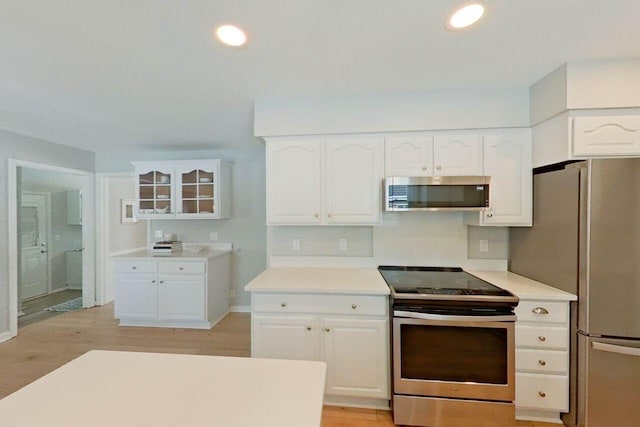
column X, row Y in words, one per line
column 541, row 338
column 181, row 268
column 161, row 281
column 489, row 215
column 354, row 306
column 424, row 168
column 542, row 362
column 283, row 305
column 542, row 394
column 540, row 310
column 327, row 329
column 153, row 281
column 134, row 267
column 329, row 215
column 438, row 167
column 308, row 328
column 316, row 215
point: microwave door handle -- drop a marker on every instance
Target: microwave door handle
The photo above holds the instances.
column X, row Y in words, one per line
column 454, row 318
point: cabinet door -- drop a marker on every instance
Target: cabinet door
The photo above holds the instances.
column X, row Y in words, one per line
column 155, row 191
column 353, row 180
column 196, row 195
column 356, row 352
column 606, row 136
column 181, row 297
column 457, row 155
column 294, row 188
column 507, row 160
column 408, row 156
column 136, row 296
column 284, row 337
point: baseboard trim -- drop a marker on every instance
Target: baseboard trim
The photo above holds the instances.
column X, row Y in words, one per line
column 5, row 336
column 240, row 309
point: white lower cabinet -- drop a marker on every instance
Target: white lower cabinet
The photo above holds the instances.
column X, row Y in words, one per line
column 542, row 360
column 349, row 333
column 171, row 292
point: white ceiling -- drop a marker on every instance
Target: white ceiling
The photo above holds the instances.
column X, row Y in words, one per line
column 96, row 73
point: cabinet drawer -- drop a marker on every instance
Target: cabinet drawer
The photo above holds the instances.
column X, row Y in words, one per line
column 543, row 311
column 181, row 267
column 141, row 266
column 549, row 392
column 542, row 361
column 542, row 337
column 320, row 303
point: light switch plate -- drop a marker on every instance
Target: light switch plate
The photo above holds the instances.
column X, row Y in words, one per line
column 296, row 244
column 157, row 234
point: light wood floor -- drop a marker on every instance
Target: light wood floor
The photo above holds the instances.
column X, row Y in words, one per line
column 42, row 347
column 33, row 309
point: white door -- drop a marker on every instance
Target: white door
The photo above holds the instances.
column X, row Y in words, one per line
column 136, row 297
column 408, row 156
column 181, row 298
column 354, row 169
column 33, row 240
column 457, row 155
column 356, row 354
column 284, row 337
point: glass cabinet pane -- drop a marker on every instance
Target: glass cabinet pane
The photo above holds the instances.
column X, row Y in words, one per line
column 146, row 193
column 146, row 178
column 205, row 191
column 206, row 206
column 189, row 206
column 190, row 177
column 163, row 192
column 163, row 178
column 205, row 177
column 189, row 191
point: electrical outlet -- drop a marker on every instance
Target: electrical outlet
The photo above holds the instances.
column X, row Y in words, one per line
column 232, row 293
column 484, row 246
column 213, row 236
column 343, row 244
column 296, row 244
column 157, row 234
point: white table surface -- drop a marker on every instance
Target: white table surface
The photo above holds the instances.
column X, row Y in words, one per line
column 341, row 280
column 123, row 389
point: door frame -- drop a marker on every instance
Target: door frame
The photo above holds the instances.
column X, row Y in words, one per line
column 88, row 234
column 48, row 237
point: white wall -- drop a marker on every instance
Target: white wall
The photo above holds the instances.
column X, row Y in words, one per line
column 388, row 113
column 128, row 235
column 25, row 148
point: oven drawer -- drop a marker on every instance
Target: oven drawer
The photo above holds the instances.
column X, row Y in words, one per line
column 543, row 337
column 543, row 311
column 320, row 303
column 542, row 361
column 549, row 392
column 137, row 266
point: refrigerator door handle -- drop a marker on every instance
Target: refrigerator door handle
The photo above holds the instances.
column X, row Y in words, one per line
column 619, row 349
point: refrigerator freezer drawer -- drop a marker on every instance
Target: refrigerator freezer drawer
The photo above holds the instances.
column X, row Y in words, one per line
column 612, row 374
column 542, row 337
column 544, row 392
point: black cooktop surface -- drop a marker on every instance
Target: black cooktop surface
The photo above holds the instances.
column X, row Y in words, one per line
column 437, row 281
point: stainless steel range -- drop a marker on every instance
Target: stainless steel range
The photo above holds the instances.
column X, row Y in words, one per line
column 453, row 348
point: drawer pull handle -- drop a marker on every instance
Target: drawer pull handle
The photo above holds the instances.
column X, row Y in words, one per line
column 153, row 281
column 542, row 362
column 134, row 267
column 181, row 268
column 308, row 328
column 283, row 305
column 540, row 310
column 161, row 281
column 354, row 306
column 541, row 338
column 542, row 394
column 327, row 329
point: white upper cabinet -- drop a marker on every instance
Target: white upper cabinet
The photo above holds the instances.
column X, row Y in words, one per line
column 457, row 155
column 606, row 136
column 353, row 180
column 408, row 155
column 508, row 161
column 183, row 189
column 324, row 181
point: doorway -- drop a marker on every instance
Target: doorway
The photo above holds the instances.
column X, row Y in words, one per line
column 51, row 241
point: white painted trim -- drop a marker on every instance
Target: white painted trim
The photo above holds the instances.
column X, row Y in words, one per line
column 88, row 234
column 6, row 336
column 240, row 309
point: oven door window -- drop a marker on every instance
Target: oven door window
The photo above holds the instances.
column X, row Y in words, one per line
column 454, row 353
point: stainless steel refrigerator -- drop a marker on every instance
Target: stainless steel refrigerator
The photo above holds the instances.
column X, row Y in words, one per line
column 585, row 239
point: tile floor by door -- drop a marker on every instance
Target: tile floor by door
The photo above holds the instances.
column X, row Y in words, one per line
column 44, row 346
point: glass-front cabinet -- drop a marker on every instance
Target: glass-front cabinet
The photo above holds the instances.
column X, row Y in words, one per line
column 183, row 189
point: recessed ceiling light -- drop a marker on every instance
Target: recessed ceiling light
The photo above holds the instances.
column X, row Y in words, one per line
column 231, row 35
column 466, row 15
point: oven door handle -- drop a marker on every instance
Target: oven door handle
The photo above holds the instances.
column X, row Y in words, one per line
column 453, row 318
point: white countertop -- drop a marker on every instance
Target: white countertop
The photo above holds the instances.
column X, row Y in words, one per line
column 523, row 287
column 184, row 254
column 109, row 388
column 365, row 281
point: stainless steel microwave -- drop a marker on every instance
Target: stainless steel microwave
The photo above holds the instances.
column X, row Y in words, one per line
column 434, row 193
